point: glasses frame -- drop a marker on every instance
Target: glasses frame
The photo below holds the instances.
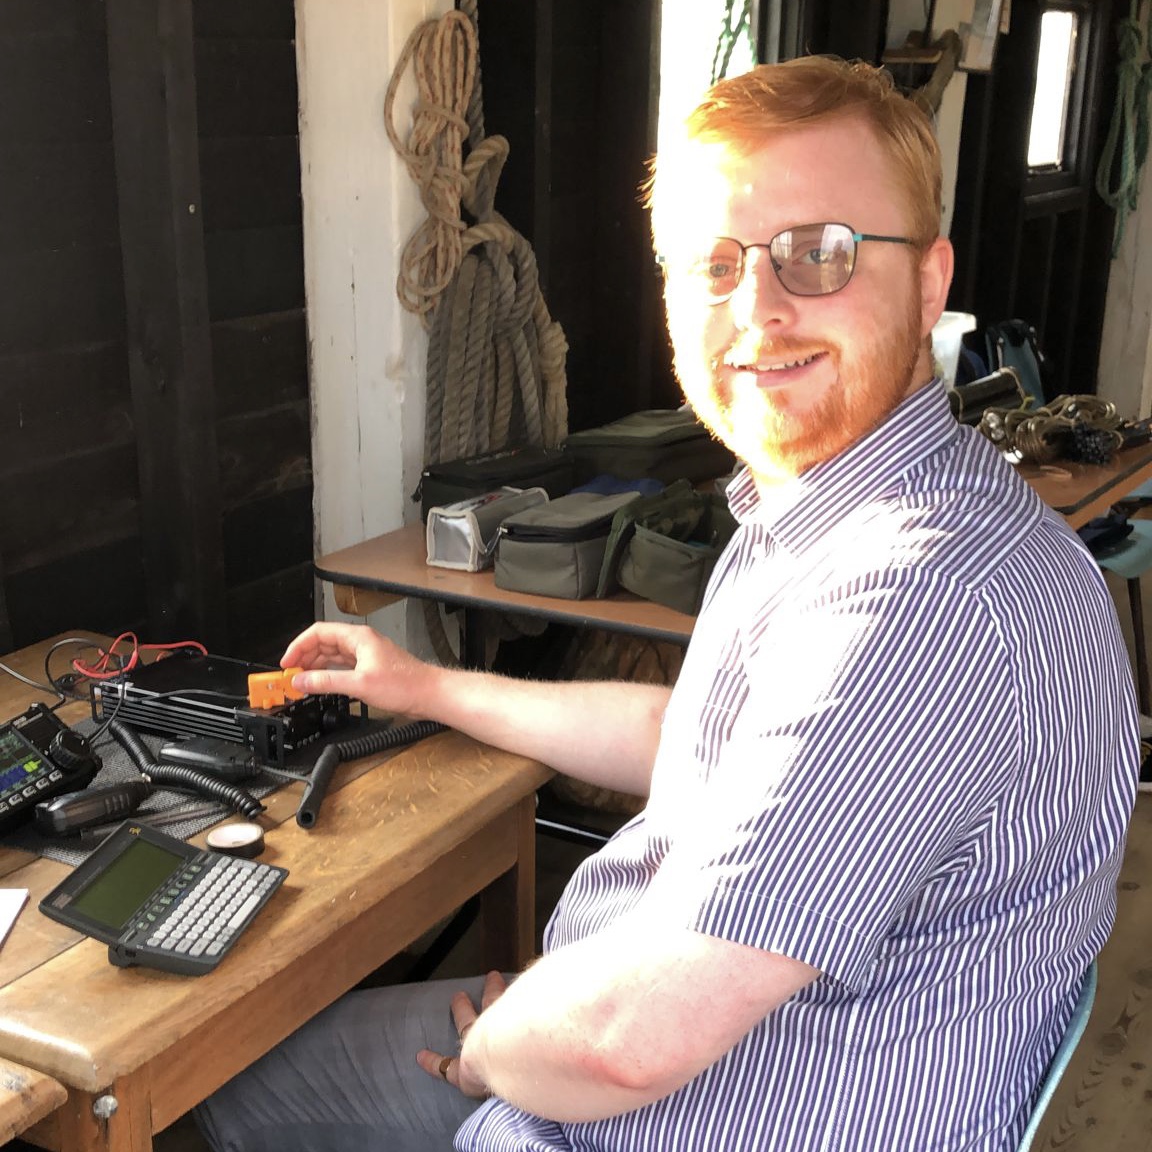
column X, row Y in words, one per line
column 857, row 238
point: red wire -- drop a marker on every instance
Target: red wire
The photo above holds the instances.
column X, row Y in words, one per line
column 104, row 669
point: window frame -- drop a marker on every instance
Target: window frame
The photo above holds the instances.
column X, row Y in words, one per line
column 1070, row 172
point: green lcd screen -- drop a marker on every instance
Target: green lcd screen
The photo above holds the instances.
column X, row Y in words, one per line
column 118, row 891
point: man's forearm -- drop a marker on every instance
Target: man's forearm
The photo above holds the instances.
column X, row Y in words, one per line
column 623, row 1018
column 605, row 733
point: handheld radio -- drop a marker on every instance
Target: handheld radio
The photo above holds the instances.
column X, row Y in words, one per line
column 40, row 757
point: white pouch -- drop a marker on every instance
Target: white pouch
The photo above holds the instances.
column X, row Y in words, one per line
column 463, row 535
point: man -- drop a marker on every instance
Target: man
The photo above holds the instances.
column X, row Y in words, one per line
column 888, row 794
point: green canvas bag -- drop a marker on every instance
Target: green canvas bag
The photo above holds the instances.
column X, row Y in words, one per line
column 664, row 547
column 557, row 549
column 666, row 444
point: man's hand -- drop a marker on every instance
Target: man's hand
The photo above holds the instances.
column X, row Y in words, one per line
column 603, row 733
column 464, row 1015
column 354, row 660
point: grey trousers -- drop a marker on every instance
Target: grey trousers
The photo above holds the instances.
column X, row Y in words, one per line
column 348, row 1080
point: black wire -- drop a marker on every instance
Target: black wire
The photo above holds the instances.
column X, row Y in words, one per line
column 31, row 683
column 64, row 685
column 237, row 798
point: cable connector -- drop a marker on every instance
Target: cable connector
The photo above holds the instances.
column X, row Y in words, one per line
column 271, row 689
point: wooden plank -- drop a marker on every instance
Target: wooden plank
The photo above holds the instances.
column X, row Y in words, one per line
column 151, row 74
column 265, row 453
column 255, row 270
column 355, row 601
column 79, row 393
column 25, row 1097
column 6, row 637
column 109, row 595
column 246, row 87
column 265, row 614
column 43, row 520
column 52, row 81
column 267, row 19
column 58, row 195
column 259, row 362
column 250, row 182
column 269, row 534
column 55, row 297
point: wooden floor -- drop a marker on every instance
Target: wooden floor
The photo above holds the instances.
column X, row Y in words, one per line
column 1104, row 1102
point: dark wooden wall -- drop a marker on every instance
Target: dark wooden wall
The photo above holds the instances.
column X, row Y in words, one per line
column 154, row 444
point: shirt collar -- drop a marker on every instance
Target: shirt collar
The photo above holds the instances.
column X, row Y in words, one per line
column 804, row 508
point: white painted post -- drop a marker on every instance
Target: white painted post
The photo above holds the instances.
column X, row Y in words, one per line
column 367, row 355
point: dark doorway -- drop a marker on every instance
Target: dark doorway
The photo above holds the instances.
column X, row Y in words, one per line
column 1034, row 240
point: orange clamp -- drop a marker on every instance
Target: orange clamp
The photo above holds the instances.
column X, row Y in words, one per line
column 271, row 689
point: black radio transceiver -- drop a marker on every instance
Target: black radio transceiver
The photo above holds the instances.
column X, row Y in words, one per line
column 40, row 757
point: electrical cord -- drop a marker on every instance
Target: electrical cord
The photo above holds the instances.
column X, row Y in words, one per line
column 179, row 776
column 334, row 754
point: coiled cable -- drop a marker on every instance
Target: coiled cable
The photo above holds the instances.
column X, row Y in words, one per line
column 178, row 776
column 383, row 740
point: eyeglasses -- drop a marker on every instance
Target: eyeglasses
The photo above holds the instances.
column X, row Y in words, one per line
column 809, row 260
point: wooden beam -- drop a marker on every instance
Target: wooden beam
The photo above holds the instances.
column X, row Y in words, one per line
column 154, row 122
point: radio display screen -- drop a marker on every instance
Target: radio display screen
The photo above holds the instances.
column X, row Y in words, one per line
column 18, row 759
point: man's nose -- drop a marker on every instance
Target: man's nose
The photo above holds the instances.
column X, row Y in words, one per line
column 760, row 300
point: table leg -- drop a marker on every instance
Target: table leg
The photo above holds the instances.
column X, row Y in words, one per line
column 76, row 1127
column 473, row 652
column 508, row 904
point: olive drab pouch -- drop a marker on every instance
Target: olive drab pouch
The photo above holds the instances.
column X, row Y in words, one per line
column 557, row 549
column 664, row 547
column 665, row 444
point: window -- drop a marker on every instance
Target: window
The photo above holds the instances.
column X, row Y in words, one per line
column 695, row 39
column 1051, row 102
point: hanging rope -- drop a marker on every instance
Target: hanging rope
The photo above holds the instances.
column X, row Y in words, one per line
column 1126, row 146
column 734, row 29
column 495, row 370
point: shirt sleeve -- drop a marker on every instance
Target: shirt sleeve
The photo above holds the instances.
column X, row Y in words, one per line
column 844, row 761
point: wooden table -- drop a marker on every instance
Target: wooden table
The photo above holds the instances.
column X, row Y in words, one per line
column 1081, row 491
column 403, row 840
column 387, row 568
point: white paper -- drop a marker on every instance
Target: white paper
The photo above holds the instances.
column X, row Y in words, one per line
column 12, row 900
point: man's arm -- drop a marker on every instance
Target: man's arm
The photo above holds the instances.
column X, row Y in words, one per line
column 622, row 1019
column 605, row 733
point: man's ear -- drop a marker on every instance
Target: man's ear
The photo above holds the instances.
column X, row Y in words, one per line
column 935, row 280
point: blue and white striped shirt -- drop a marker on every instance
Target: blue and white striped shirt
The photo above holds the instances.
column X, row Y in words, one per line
column 902, row 749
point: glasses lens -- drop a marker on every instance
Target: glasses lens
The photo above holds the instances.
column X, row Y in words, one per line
column 716, row 272
column 814, row 259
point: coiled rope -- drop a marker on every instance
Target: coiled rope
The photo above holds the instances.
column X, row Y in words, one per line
column 1126, row 145
column 1082, row 427
column 495, row 373
column 495, row 370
